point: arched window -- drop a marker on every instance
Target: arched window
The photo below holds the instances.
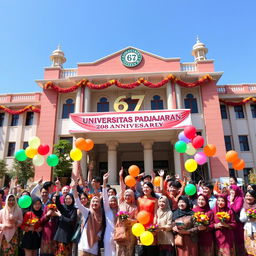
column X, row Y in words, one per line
column 191, row 103
column 157, row 103
column 68, row 108
column 103, row 105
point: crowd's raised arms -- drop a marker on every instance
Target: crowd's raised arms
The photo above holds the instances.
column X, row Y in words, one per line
column 155, row 215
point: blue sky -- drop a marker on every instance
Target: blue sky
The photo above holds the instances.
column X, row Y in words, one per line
column 89, row 30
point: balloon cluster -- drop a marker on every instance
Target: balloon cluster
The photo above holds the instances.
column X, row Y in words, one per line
column 146, row 237
column 36, row 151
column 130, row 180
column 76, row 153
column 237, row 163
column 188, row 143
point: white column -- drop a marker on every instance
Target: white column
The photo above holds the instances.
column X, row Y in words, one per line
column 112, row 162
column 20, row 132
column 178, row 96
column 148, row 156
column 78, row 100
column 83, row 164
column 169, row 98
column 87, row 99
column 4, row 136
column 177, row 164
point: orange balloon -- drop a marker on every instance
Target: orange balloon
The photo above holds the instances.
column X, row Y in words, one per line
column 89, row 144
column 231, row 156
column 80, row 143
column 157, row 181
column 143, row 217
column 134, row 170
column 239, row 165
column 129, row 181
column 210, row 150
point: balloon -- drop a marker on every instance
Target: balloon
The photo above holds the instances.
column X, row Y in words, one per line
column 38, row 160
column 20, row 155
column 210, row 150
column 76, row 154
column 137, row 229
column 182, row 137
column 190, row 150
column 134, row 170
column 80, row 143
column 43, row 149
column 198, row 141
column 200, row 158
column 34, row 142
column 89, row 145
column 129, row 181
column 30, row 152
column 143, row 217
column 146, row 238
column 190, row 189
column 190, row 165
column 52, row 160
column 231, row 156
column 25, row 201
column 190, row 132
column 239, row 165
column 180, row 146
column 157, row 181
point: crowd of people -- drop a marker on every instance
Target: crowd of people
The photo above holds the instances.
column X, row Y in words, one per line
column 83, row 217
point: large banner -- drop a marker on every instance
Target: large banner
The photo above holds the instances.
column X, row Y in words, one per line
column 130, row 121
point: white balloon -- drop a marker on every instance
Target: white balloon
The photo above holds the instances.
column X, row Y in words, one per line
column 38, row 160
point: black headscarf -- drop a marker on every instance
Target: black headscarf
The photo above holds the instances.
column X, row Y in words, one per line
column 67, row 210
column 186, row 212
column 253, row 186
column 39, row 212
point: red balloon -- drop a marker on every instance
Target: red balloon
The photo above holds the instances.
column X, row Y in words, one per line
column 43, row 149
column 198, row 141
column 190, row 131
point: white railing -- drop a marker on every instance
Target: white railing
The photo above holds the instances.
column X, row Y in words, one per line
column 252, row 88
column 3, row 99
column 188, row 67
column 221, row 89
column 23, row 98
column 237, row 88
column 68, row 73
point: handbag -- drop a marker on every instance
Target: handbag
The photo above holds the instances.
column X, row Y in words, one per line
column 78, row 233
column 120, row 234
column 178, row 240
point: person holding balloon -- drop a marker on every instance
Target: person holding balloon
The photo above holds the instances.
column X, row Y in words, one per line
column 10, row 219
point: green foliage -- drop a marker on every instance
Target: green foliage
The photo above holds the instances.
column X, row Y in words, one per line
column 64, row 167
column 3, row 168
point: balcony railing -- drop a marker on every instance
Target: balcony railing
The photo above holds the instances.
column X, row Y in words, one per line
column 20, row 98
column 190, row 67
column 65, row 73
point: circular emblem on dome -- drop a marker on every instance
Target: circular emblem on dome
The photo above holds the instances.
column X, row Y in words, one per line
column 131, row 58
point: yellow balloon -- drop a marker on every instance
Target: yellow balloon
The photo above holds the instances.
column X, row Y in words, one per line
column 147, row 238
column 190, row 165
column 137, row 229
column 34, row 142
column 76, row 154
column 190, row 149
column 30, row 152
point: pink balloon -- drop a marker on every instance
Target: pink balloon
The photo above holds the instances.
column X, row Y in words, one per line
column 190, row 132
column 198, row 141
column 200, row 158
column 43, row 149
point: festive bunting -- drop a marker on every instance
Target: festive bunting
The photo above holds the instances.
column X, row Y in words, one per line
column 238, row 103
column 20, row 111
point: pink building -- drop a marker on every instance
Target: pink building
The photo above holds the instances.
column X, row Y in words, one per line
column 132, row 104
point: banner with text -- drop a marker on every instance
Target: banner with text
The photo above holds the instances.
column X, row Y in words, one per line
column 130, row 121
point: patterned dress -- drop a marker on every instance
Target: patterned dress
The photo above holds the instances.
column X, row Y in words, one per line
column 11, row 248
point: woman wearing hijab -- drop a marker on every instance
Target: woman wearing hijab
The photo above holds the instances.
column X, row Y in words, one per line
column 224, row 229
column 205, row 232
column 67, row 214
column 32, row 226
column 10, row 219
column 91, row 228
column 164, row 221
column 250, row 223
column 235, row 203
column 186, row 238
column 251, row 187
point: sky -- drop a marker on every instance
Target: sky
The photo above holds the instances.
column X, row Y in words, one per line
column 89, row 30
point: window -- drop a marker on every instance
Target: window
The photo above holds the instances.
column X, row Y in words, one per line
column 68, row 108
column 243, row 141
column 25, row 144
column 239, row 111
column 103, row 105
column 232, row 173
column 15, row 120
column 157, row 103
column 11, row 149
column 191, row 103
column 29, row 118
column 253, row 109
column 228, row 142
column 1, row 119
column 132, row 103
column 223, row 111
column 69, row 139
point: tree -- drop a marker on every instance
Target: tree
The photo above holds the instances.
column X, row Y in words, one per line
column 3, row 168
column 64, row 167
column 23, row 171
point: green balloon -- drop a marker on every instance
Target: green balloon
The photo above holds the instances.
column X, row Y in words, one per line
column 25, row 201
column 52, row 160
column 180, row 146
column 190, row 189
column 20, row 155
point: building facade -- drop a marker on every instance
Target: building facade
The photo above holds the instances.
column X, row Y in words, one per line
column 118, row 102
